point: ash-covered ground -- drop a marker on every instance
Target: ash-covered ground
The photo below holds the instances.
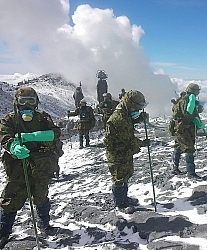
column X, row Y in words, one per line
column 83, row 212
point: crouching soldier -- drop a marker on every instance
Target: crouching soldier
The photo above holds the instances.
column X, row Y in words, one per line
column 85, row 123
column 37, row 149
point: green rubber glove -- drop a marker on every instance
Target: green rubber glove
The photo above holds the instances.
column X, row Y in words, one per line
column 191, row 104
column 47, row 135
column 197, row 121
column 21, row 152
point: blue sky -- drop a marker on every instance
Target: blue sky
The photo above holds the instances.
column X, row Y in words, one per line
column 175, row 32
column 163, row 36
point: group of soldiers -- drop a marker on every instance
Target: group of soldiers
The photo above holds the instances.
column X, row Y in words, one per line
column 32, row 147
column 106, row 106
column 87, row 119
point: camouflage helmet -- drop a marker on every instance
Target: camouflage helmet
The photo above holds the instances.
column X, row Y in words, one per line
column 107, row 95
column 135, row 99
column 83, row 101
column 26, row 92
column 193, row 88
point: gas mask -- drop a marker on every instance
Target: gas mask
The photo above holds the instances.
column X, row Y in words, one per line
column 27, row 114
column 134, row 114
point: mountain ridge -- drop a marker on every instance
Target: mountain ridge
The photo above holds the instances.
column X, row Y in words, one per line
column 55, row 94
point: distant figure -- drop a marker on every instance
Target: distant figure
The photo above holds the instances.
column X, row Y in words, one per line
column 102, row 86
column 78, row 96
column 123, row 92
column 86, row 121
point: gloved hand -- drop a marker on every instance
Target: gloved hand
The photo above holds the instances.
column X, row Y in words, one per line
column 146, row 142
column 197, row 121
column 200, row 108
column 47, row 135
column 21, row 152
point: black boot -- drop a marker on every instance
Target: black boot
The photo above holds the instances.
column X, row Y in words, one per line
column 129, row 200
column 81, row 141
column 119, row 197
column 190, row 166
column 4, row 239
column 6, row 222
column 87, row 141
column 43, row 213
column 176, row 162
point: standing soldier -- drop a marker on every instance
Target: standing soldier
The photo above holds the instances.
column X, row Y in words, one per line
column 120, row 144
column 107, row 106
column 102, row 86
column 123, row 92
column 86, row 122
column 186, row 122
column 39, row 147
column 78, row 96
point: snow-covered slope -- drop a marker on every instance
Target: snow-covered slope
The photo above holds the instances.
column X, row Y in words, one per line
column 54, row 92
column 81, row 201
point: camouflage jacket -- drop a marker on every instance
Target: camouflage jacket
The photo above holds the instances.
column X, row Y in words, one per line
column 78, row 95
column 120, row 139
column 180, row 113
column 41, row 121
column 108, row 107
column 87, row 119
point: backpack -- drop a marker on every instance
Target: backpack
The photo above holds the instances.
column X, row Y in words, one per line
column 181, row 118
column 178, row 114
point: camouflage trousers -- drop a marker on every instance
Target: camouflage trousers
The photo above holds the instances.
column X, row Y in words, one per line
column 121, row 170
column 15, row 192
column 185, row 140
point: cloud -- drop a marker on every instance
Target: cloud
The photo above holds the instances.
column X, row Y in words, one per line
column 42, row 38
column 163, row 64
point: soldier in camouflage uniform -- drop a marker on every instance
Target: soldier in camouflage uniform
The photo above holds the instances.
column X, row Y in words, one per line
column 78, row 96
column 120, row 144
column 102, row 86
column 107, row 106
column 187, row 121
column 123, row 92
column 86, row 122
column 40, row 138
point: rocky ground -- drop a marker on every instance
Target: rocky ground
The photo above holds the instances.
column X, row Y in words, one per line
column 91, row 211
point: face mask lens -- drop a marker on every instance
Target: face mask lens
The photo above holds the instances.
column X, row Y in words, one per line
column 143, row 104
column 22, row 100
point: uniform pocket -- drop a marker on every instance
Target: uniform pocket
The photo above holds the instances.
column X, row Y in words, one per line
column 43, row 165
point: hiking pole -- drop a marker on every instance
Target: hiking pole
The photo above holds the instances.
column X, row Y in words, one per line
column 24, row 163
column 196, row 141
column 204, row 131
column 150, row 162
